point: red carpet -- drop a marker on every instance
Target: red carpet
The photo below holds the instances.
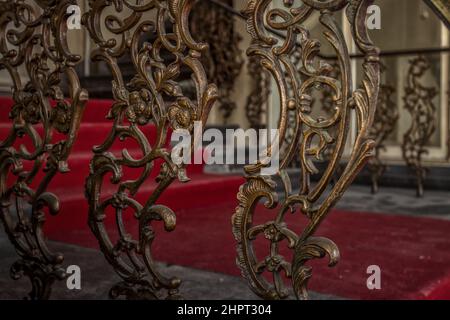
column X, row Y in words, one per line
column 413, row 253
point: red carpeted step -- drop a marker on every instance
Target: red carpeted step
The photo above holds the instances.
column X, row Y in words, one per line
column 180, row 196
column 5, row 108
column 412, row 252
column 95, row 111
column 89, row 135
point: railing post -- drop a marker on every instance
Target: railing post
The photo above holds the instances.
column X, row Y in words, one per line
column 295, row 87
column 385, row 121
column 418, row 101
column 34, row 37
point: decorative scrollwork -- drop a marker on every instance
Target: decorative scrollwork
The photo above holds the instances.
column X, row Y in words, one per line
column 386, row 118
column 223, row 61
column 328, row 105
column 152, row 98
column 34, row 39
column 418, row 101
column 311, row 139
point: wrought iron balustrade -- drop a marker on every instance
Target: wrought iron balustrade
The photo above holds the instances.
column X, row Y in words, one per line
column 417, row 98
column 154, row 97
column 44, row 124
column 295, row 86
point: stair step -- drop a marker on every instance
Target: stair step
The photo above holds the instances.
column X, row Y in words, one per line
column 179, row 197
column 89, row 135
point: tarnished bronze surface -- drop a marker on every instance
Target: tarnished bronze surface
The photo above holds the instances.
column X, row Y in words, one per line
column 386, row 118
column 34, row 41
column 328, row 105
column 314, row 201
column 152, row 97
column 418, row 101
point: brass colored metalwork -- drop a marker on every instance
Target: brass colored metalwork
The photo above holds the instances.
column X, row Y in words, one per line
column 328, row 102
column 418, row 101
column 34, row 39
column 314, row 201
column 223, row 61
column 152, row 97
column 386, row 118
column 258, row 99
column 291, row 116
column 328, row 106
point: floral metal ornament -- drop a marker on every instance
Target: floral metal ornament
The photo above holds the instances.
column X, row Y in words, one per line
column 311, row 139
column 156, row 36
column 34, row 39
column 418, row 101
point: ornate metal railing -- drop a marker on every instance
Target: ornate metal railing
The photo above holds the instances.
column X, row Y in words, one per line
column 155, row 35
column 35, row 53
column 386, row 117
column 314, row 201
column 418, row 101
column 384, row 124
column 152, row 97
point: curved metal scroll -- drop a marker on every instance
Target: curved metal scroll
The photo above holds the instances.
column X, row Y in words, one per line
column 419, row 103
column 313, row 136
column 152, row 98
column 34, row 42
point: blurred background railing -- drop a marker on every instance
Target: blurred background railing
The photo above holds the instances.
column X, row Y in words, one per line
column 412, row 121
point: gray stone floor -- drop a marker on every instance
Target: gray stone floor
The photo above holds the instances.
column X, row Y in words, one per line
column 435, row 204
column 97, row 276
